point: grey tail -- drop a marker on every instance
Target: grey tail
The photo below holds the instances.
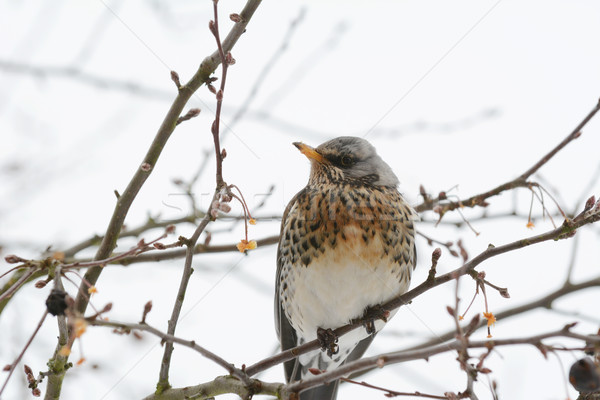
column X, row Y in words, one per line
column 325, row 392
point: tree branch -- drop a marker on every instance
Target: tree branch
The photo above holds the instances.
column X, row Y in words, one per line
column 520, row 181
column 381, row 360
column 169, row 338
column 222, row 385
column 562, row 232
column 125, row 200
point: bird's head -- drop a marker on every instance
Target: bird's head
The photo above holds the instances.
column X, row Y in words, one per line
column 347, row 159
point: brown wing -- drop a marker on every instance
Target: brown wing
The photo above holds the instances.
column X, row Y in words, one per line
column 285, row 331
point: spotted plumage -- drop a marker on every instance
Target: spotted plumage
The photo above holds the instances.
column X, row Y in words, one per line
column 347, row 244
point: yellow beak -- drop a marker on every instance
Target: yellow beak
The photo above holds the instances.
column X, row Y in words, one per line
column 309, row 152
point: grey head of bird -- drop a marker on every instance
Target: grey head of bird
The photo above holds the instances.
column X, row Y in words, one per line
column 347, row 159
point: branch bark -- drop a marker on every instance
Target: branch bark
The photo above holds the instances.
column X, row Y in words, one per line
column 125, row 200
column 562, row 232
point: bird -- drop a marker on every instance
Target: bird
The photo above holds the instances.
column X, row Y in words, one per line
column 347, row 245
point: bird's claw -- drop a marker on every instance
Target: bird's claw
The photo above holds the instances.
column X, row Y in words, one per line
column 371, row 315
column 328, row 341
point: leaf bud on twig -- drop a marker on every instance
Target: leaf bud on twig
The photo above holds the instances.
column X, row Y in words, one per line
column 12, row 259
column 146, row 167
column 590, row 203
column 236, row 17
column 175, row 78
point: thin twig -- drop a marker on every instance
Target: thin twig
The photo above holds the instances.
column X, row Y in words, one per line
column 426, row 353
column 13, row 366
column 125, row 200
column 168, row 338
column 520, row 181
column 393, row 393
column 163, row 378
column 555, row 234
column 572, row 136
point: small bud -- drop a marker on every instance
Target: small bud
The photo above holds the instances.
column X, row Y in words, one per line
column 315, row 371
column 211, row 26
column 235, row 17
column 36, row 392
column 12, row 259
column 159, row 246
column 450, row 310
column 193, row 112
column 211, row 88
column 170, row 229
column 41, row 284
column 223, row 154
column 7, row 368
column 229, row 59
column 27, row 369
column 475, row 320
column 485, row 370
column 107, row 308
column 422, row 191
column 435, row 256
column 442, row 196
column 504, row 293
column 148, row 307
column 220, row 95
column 590, row 203
column 175, row 78
column 146, row 167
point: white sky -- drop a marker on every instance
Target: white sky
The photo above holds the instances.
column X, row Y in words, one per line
column 463, row 93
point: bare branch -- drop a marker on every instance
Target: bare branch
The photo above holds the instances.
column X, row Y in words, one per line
column 169, row 338
column 425, row 353
column 221, row 385
column 562, row 232
column 13, row 366
column 126, row 199
column 520, row 181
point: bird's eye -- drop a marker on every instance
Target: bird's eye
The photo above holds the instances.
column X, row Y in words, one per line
column 346, row 161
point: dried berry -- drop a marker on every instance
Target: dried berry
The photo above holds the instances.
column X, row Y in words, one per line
column 56, row 302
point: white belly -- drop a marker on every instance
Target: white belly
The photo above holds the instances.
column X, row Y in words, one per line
column 338, row 286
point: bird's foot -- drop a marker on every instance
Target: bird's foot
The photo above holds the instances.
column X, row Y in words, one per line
column 371, row 315
column 328, row 341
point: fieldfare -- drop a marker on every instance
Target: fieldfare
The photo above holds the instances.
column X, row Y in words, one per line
column 347, row 245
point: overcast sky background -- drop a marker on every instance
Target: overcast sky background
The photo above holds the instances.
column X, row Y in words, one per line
column 458, row 96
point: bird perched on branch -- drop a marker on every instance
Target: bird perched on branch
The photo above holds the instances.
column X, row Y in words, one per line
column 347, row 245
